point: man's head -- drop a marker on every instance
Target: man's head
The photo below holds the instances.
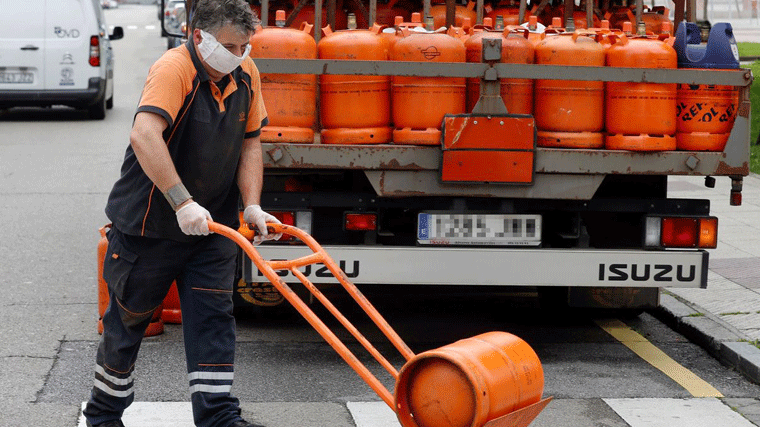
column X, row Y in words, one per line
column 228, row 22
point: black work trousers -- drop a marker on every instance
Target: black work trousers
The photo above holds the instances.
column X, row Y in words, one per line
column 139, row 272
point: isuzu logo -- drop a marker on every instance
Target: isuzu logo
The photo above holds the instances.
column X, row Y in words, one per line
column 319, row 270
column 646, row 272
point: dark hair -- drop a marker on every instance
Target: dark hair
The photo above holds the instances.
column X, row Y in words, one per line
column 211, row 15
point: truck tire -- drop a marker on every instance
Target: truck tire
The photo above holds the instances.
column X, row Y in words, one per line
column 109, row 103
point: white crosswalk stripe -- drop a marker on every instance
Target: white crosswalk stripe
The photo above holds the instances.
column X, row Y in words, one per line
column 372, row 414
column 643, row 412
column 677, row 413
column 152, row 414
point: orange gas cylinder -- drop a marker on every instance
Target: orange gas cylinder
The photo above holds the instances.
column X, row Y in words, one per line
column 354, row 109
column 706, row 113
column 569, row 113
column 391, row 36
column 307, row 14
column 652, row 18
column 421, row 102
column 386, row 13
column 641, row 116
column 156, row 325
column 517, row 94
column 469, row 382
column 580, row 20
column 509, row 10
column 416, row 22
column 619, row 14
column 438, row 12
column 290, row 99
column 536, row 30
column 462, row 33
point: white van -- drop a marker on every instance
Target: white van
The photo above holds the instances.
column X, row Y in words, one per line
column 56, row 52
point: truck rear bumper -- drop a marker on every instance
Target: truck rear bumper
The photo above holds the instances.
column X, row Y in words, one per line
column 74, row 97
column 499, row 266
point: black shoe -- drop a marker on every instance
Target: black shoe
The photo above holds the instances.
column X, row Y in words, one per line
column 243, row 423
column 115, row 423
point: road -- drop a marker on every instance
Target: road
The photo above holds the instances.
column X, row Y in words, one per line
column 56, row 169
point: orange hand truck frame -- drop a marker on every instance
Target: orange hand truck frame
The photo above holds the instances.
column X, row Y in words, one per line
column 491, row 380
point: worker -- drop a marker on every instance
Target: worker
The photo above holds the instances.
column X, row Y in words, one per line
column 194, row 153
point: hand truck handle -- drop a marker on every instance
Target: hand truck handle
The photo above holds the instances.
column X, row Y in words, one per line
column 319, row 255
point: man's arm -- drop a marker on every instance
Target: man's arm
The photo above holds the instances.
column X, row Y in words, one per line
column 250, row 172
column 148, row 143
column 250, row 178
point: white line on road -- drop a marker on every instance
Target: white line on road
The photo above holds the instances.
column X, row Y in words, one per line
column 645, row 412
column 651, row 412
column 152, row 414
column 372, row 414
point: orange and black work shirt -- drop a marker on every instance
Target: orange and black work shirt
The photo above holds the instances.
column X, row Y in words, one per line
column 208, row 123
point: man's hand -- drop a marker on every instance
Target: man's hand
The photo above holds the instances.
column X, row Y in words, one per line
column 193, row 219
column 253, row 214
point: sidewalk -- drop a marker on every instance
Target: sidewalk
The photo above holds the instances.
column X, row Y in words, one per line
column 725, row 317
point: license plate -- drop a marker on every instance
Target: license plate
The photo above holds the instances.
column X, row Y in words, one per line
column 21, row 77
column 478, row 229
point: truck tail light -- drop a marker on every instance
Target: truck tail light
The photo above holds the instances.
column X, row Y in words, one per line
column 300, row 219
column 681, row 232
column 287, row 218
column 361, row 222
column 95, row 51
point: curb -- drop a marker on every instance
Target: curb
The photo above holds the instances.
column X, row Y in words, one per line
column 723, row 342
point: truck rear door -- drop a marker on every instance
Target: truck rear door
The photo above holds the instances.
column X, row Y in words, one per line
column 22, row 45
column 69, row 30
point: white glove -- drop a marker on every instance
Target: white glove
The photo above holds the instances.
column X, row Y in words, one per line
column 193, row 219
column 253, row 214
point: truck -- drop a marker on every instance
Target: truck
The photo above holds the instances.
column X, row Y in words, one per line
column 591, row 228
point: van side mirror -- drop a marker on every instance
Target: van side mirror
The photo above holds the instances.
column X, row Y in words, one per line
column 174, row 16
column 118, row 33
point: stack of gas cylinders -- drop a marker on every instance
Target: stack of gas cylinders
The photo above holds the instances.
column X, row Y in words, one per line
column 569, row 114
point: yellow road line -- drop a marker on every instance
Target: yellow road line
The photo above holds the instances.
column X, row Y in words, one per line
column 657, row 358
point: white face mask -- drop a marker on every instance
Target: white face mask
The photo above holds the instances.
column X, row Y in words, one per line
column 217, row 56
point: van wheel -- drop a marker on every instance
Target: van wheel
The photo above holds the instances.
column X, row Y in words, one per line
column 97, row 111
column 109, row 103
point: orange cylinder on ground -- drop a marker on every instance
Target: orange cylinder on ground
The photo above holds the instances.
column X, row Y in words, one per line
column 469, row 382
column 517, row 94
column 419, row 103
column 172, row 312
column 156, row 325
column 641, row 116
column 290, row 99
column 569, row 113
column 355, row 109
